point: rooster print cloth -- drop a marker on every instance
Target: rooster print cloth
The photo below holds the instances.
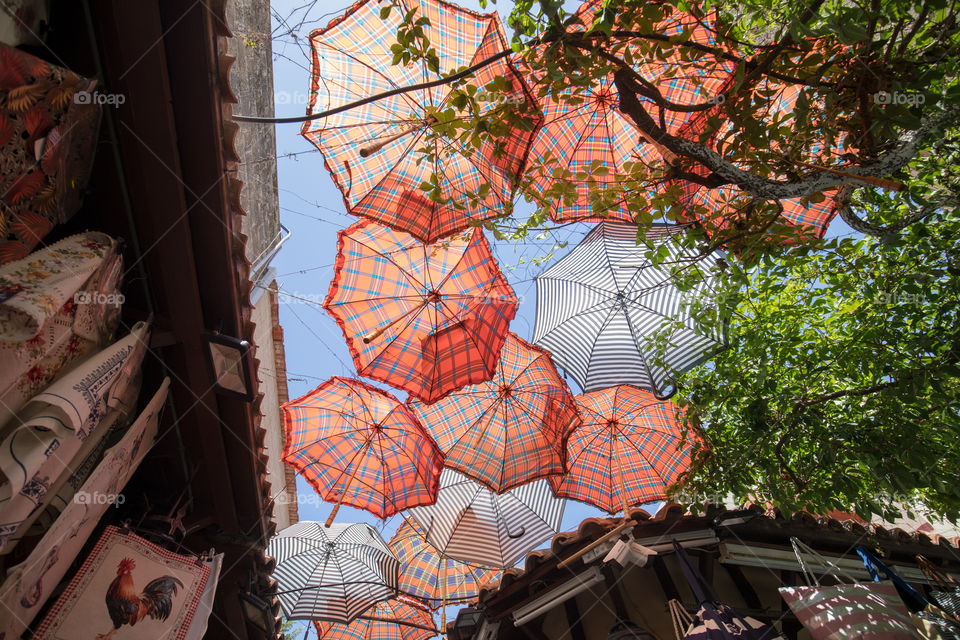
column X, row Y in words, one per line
column 128, row 588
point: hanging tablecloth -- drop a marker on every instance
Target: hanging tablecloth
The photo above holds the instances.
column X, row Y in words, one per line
column 49, row 120
column 56, row 305
column 28, row 584
column 38, row 445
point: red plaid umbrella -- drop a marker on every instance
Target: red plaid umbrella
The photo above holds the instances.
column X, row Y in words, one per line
column 627, row 452
column 360, row 446
column 432, row 577
column 510, row 429
column 725, row 207
column 375, row 152
column 397, row 619
column 593, row 132
column 425, row 318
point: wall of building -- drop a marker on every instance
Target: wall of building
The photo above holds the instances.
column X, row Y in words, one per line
column 268, row 337
column 251, row 79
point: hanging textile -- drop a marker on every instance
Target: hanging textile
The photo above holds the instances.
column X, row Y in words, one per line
column 48, row 132
column 716, row 620
column 29, row 583
column 198, row 627
column 945, row 591
column 38, row 444
column 128, row 582
column 870, row 611
column 57, row 305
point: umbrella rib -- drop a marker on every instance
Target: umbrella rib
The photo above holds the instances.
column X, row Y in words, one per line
column 653, row 467
column 386, row 172
column 329, row 437
column 580, row 137
column 374, row 251
column 470, row 427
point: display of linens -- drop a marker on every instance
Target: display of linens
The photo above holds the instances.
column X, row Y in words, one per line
column 38, row 444
column 29, row 583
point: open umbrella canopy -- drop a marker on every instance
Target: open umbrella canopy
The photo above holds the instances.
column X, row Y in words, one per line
column 599, row 307
column 360, row 446
column 510, row 429
column 428, row 575
column 332, row 573
column 589, row 133
column 396, row 619
column 629, row 449
column 424, row 318
column 380, row 153
column 472, row 524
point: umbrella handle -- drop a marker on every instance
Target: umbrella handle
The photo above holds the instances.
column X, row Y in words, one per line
column 370, row 337
column 343, row 492
column 373, row 148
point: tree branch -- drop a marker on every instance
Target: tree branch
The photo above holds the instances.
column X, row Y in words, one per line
column 767, row 188
column 859, row 224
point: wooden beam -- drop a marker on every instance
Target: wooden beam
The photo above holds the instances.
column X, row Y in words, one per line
column 664, row 578
column 572, row 611
column 743, row 586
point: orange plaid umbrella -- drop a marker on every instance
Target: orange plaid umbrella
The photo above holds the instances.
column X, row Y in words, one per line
column 360, row 446
column 376, row 152
column 397, row 619
column 593, row 132
column 431, row 576
column 629, row 449
column 424, row 318
column 510, row 429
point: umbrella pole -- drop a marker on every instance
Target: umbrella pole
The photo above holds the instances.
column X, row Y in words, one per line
column 443, row 596
column 401, row 622
column 623, row 485
column 370, row 337
column 343, row 494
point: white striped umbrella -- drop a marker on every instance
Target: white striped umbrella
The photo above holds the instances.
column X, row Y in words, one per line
column 332, row 573
column 472, row 524
column 600, row 305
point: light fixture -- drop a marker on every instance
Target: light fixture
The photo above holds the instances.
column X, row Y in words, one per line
column 747, row 556
column 626, row 552
column 730, row 518
column 257, row 611
column 556, row 596
column 468, row 619
column 687, row 540
column 231, row 364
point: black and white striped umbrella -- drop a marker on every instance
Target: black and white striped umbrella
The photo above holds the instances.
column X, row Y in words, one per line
column 472, row 524
column 599, row 306
column 332, row 573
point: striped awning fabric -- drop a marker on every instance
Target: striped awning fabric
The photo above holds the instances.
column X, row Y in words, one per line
column 600, row 305
column 472, row 524
column 332, row 573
